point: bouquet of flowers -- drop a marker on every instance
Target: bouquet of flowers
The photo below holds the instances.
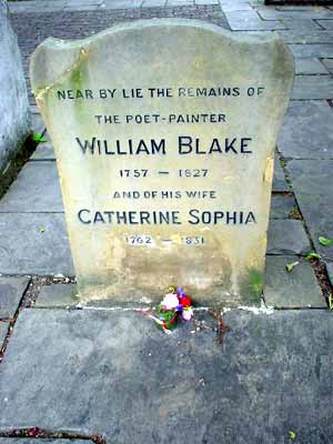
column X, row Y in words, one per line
column 176, row 305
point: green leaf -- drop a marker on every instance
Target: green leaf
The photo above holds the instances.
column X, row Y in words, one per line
column 38, row 137
column 325, row 241
column 330, row 302
column 312, row 255
column 292, row 435
column 291, row 266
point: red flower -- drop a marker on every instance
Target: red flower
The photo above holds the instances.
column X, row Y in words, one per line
column 185, row 301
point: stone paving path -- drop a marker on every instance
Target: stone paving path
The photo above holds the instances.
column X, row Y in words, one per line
column 96, row 373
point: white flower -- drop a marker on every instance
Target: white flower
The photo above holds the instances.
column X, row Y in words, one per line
column 170, row 301
column 187, row 313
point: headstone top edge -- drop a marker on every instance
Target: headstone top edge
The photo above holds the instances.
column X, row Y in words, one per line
column 258, row 38
column 77, row 46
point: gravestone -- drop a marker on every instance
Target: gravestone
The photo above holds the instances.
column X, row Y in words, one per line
column 14, row 105
column 164, row 133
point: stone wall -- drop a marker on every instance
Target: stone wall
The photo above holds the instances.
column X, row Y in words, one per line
column 14, row 105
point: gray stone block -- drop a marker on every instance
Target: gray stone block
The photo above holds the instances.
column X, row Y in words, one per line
column 328, row 64
column 43, row 441
column 43, row 151
column 306, row 36
column 36, row 189
column 250, row 21
column 300, row 25
column 115, row 373
column 329, row 267
column 281, row 206
column 312, row 88
column 279, row 179
column 299, row 288
column 307, row 131
column 37, row 123
column 14, row 105
column 34, row 244
column 326, row 24
column 57, row 295
column 269, row 13
column 3, row 333
column 313, row 184
column 11, row 292
column 310, row 66
column 287, row 237
column 312, row 50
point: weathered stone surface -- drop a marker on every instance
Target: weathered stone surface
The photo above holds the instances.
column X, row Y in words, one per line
column 44, row 151
column 313, row 182
column 312, row 88
column 310, row 66
column 102, row 372
column 313, row 50
column 37, row 245
column 298, row 288
column 3, row 332
column 279, row 179
column 250, row 21
column 90, row 180
column 300, row 25
column 44, row 441
column 306, row 36
column 14, row 106
column 287, row 237
column 329, row 266
column 329, row 64
column 57, row 295
column 36, row 189
column 269, row 13
column 11, row 292
column 37, row 123
column 306, row 131
column 326, row 24
column 282, row 205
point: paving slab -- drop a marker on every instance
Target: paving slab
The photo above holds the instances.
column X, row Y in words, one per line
column 269, row 13
column 326, row 24
column 153, row 3
column 300, row 25
column 36, row 189
column 313, row 184
column 307, row 36
column 312, row 88
column 298, row 288
column 250, row 21
column 329, row 266
column 57, row 295
column 43, row 441
column 3, row 333
column 307, row 131
column 115, row 373
column 310, row 66
column 11, row 292
column 312, row 50
column 37, row 124
column 279, row 178
column 282, row 205
column 287, row 236
column 43, row 151
column 328, row 64
column 34, row 243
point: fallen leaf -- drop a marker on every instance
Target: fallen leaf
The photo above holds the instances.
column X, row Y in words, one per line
column 38, row 137
column 291, row 266
column 325, row 241
column 312, row 255
column 292, row 435
column 330, row 302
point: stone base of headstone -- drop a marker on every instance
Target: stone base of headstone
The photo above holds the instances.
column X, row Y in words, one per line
column 14, row 105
